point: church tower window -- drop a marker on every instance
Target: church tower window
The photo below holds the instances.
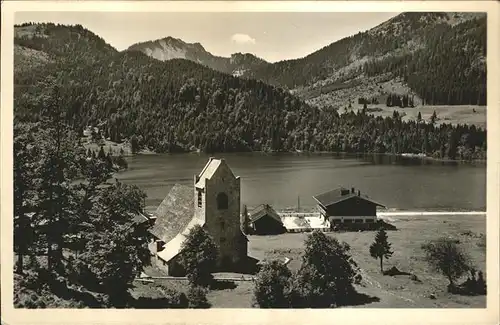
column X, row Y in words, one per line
column 222, row 201
column 200, row 201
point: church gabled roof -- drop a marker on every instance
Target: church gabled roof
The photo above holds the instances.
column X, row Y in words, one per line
column 174, row 246
column 174, row 213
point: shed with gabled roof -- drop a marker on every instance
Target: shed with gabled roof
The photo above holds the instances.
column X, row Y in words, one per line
column 264, row 220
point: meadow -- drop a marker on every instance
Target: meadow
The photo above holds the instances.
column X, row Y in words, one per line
column 383, row 291
column 460, row 114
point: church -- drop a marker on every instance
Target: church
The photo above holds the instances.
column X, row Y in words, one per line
column 212, row 203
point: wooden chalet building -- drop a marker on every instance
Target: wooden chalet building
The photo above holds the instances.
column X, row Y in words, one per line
column 345, row 208
column 265, row 221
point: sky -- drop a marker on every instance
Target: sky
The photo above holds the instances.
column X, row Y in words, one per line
column 271, row 36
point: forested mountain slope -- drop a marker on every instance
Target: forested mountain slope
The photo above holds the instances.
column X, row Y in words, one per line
column 437, row 57
column 179, row 105
column 50, row 50
column 440, row 57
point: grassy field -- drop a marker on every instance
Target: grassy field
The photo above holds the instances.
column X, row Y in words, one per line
column 396, row 291
column 340, row 95
column 462, row 114
column 386, row 291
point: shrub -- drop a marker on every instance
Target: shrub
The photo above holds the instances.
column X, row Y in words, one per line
column 198, row 256
column 271, row 285
column 197, row 297
column 325, row 278
column 445, row 256
column 160, row 297
column 481, row 241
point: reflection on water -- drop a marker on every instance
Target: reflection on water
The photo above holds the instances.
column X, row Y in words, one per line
column 280, row 179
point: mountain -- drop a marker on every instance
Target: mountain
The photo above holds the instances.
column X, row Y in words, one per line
column 173, row 48
column 179, row 105
column 406, row 55
column 439, row 57
column 42, row 50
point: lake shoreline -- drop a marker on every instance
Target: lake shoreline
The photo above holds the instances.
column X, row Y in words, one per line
column 116, row 147
column 319, row 153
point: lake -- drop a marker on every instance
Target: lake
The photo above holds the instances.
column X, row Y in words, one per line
column 280, row 179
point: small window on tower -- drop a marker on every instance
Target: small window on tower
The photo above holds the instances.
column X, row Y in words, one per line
column 222, row 201
column 222, row 225
column 200, row 201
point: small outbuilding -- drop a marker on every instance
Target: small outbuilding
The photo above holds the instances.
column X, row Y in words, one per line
column 264, row 220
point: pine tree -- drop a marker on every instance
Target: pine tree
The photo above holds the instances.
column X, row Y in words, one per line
column 381, row 248
column 433, row 117
column 109, row 160
column 57, row 167
column 25, row 154
column 101, row 155
column 134, row 144
column 389, row 101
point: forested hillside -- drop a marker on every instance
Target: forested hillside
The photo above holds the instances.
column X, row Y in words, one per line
column 408, row 54
column 439, row 56
column 179, row 105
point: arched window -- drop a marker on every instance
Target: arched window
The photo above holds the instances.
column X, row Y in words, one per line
column 222, row 201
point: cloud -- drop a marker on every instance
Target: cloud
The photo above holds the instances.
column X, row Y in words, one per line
column 242, row 39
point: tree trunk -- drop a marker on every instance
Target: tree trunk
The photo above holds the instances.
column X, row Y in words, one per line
column 49, row 254
column 20, row 264
column 21, row 244
column 451, row 281
column 21, row 247
column 381, row 268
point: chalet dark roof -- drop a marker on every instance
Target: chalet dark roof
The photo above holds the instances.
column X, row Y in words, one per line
column 174, row 213
column 262, row 211
column 341, row 194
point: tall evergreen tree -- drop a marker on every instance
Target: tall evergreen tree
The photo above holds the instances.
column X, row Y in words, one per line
column 433, row 118
column 57, row 167
column 101, row 155
column 381, row 248
column 25, row 154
